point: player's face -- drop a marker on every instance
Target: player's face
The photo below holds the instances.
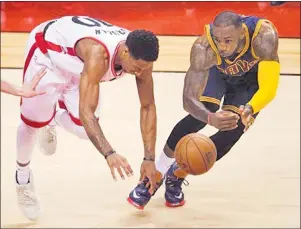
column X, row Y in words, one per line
column 136, row 67
column 227, row 39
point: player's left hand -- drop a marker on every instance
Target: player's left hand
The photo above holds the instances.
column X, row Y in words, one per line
column 148, row 169
column 29, row 89
column 246, row 113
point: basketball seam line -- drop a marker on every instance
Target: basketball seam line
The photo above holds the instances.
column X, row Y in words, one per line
column 187, row 159
column 200, row 153
column 209, row 143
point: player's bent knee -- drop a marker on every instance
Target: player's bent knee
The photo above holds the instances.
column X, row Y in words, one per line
column 187, row 125
column 225, row 140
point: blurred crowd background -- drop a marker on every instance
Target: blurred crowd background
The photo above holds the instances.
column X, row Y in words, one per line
column 164, row 18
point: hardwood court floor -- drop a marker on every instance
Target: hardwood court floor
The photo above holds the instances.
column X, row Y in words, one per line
column 256, row 185
column 173, row 57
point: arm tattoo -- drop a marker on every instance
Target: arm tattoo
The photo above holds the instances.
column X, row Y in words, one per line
column 202, row 58
column 148, row 124
column 94, row 132
column 148, row 116
column 266, row 43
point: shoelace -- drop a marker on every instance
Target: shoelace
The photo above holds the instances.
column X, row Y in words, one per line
column 27, row 197
column 177, row 181
column 51, row 135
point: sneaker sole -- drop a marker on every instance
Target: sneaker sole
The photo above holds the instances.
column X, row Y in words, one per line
column 133, row 203
column 174, row 205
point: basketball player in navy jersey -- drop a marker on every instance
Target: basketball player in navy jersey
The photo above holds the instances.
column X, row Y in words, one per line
column 235, row 58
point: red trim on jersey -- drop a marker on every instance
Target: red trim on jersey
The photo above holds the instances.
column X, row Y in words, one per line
column 77, row 121
column 27, row 61
column 44, row 45
column 47, row 45
column 113, row 60
column 36, row 124
column 62, row 105
column 28, row 58
column 92, row 38
column 27, row 121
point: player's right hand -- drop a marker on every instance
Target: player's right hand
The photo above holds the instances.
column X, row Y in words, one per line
column 224, row 120
column 116, row 161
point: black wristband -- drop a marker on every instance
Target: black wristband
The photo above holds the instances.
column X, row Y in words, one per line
column 109, row 153
column 148, row 159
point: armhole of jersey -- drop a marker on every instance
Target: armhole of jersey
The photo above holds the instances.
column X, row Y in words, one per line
column 113, row 59
column 92, row 38
column 256, row 31
column 212, row 45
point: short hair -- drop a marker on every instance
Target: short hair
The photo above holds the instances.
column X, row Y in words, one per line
column 227, row 18
column 143, row 44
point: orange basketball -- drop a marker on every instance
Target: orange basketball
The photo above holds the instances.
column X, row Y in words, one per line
column 195, row 153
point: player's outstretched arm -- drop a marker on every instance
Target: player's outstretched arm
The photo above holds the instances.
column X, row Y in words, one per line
column 95, row 66
column 28, row 90
column 265, row 46
column 148, row 125
column 202, row 58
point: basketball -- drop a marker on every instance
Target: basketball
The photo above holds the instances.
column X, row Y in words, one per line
column 195, row 153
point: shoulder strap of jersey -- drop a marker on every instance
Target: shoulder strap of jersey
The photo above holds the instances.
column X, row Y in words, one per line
column 212, row 45
column 256, row 31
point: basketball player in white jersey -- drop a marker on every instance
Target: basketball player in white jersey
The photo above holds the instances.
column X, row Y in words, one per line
column 79, row 52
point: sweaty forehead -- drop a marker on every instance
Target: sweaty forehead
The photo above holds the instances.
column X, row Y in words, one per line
column 224, row 31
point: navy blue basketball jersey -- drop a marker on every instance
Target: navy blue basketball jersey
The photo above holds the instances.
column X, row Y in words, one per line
column 247, row 58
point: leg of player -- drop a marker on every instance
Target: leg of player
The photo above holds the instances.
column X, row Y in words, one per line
column 48, row 138
column 140, row 196
column 67, row 116
column 63, row 119
column 211, row 97
column 27, row 199
column 223, row 140
column 36, row 112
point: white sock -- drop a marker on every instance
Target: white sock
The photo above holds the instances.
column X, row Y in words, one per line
column 63, row 119
column 163, row 163
column 23, row 174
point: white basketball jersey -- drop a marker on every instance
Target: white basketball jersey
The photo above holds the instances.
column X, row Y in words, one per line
column 69, row 30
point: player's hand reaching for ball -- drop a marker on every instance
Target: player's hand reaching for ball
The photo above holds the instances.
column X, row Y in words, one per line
column 246, row 113
column 223, row 120
column 116, row 161
column 148, row 169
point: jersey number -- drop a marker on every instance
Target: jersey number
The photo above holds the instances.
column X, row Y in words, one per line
column 90, row 22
